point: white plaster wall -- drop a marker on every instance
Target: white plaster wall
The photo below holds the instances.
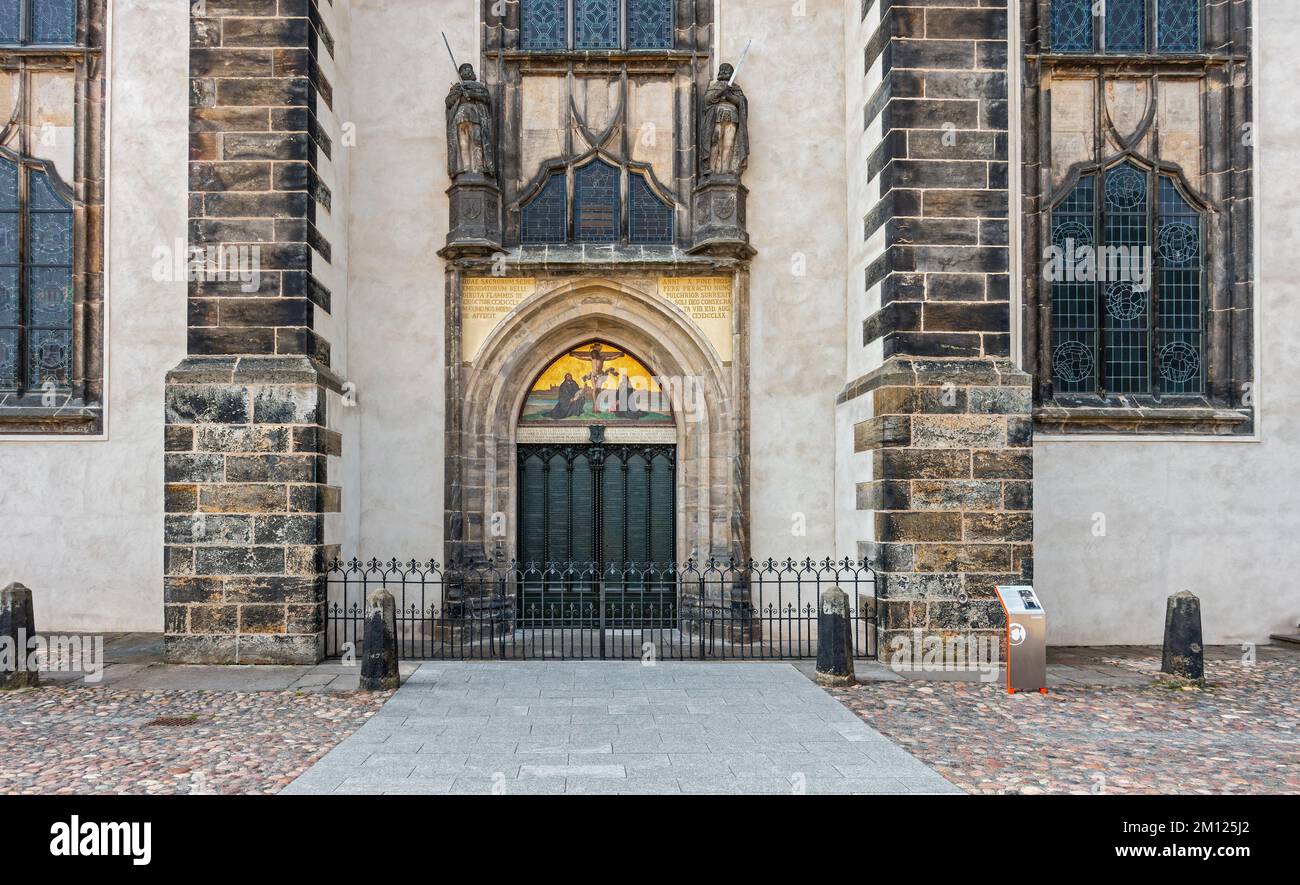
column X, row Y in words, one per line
column 81, row 520
column 333, row 225
column 853, row 526
column 393, row 493
column 794, row 80
column 1217, row 518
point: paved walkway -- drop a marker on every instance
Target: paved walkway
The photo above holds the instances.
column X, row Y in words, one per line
column 615, row 727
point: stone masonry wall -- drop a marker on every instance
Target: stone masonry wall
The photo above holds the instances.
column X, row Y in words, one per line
column 246, row 494
column 951, row 491
column 950, row 431
column 246, row 436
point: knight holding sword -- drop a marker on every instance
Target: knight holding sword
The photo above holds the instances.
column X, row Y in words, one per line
column 471, row 147
column 724, row 128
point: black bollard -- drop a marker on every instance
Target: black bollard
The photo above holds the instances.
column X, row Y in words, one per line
column 379, row 645
column 834, row 639
column 1184, row 653
column 17, row 627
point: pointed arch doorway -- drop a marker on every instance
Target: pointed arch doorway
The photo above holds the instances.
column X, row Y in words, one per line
column 597, row 490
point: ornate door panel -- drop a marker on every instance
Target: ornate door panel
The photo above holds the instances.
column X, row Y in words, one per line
column 592, row 515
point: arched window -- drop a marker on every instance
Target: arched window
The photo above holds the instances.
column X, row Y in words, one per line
column 35, row 281
column 557, row 25
column 38, row 22
column 595, row 203
column 597, row 214
column 650, row 219
column 1130, row 26
column 1127, row 307
column 545, row 218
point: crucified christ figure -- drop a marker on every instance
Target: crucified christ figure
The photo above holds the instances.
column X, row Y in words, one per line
column 597, row 356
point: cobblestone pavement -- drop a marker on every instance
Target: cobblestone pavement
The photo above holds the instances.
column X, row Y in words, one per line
column 81, row 739
column 1241, row 734
column 615, row 727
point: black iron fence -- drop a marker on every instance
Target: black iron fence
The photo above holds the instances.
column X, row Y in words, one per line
column 709, row 609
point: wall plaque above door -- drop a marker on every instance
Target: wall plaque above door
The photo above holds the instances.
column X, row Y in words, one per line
column 483, row 302
column 707, row 301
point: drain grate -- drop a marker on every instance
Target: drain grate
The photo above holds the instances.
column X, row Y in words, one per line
column 172, row 722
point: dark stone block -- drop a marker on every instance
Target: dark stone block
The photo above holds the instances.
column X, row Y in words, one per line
column 218, row 340
column 379, row 652
column 307, row 529
column 265, row 32
column 932, row 344
column 1184, row 651
column 954, row 286
column 265, row 146
column 1018, row 496
column 238, row 560
column 964, row 24
column 272, row 468
column 190, row 467
column 276, row 204
column 230, row 177
column 191, row 649
column 215, row 61
column 182, row 590
column 17, row 628
column 943, row 54
column 266, row 312
column 884, row 495
column 894, row 316
column 924, row 464
column 925, row 113
column 1018, row 464
column 834, row 639
column 965, row 203
column 178, row 438
column 207, row 404
column 918, row 526
column 261, row 619
column 935, row 174
column 288, row 405
column 261, row 92
column 967, row 316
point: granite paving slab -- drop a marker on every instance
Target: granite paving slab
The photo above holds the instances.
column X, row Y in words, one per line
column 615, row 728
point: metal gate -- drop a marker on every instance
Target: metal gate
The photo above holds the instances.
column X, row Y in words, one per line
column 565, row 610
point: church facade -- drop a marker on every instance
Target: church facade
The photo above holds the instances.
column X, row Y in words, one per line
column 979, row 291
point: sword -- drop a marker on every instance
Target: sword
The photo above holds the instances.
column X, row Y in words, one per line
column 451, row 55
column 740, row 64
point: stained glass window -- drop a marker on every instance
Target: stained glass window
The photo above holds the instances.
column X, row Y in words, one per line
column 650, row 219
column 1127, row 317
column 544, row 218
column 1126, row 25
column 47, row 22
column 650, row 24
column 1105, row 289
column 35, row 319
column 1074, row 301
column 1178, row 26
column 595, row 24
column 1072, row 25
column 54, row 21
column 1179, row 259
column 543, row 24
column 595, row 203
column 11, row 17
column 10, row 295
